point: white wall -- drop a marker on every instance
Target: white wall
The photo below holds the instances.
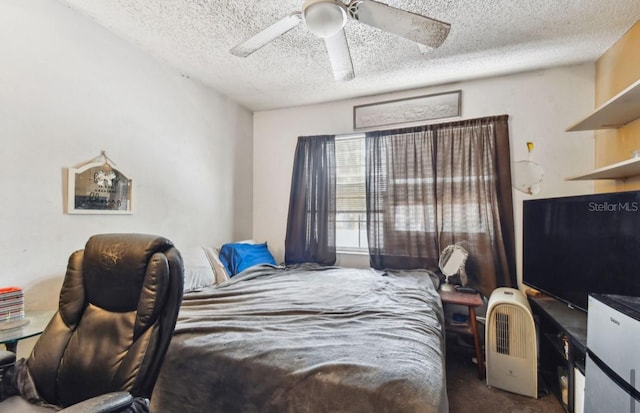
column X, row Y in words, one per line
column 68, row 89
column 540, row 105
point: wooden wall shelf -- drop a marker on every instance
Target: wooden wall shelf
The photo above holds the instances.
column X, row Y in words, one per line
column 620, row 170
column 618, row 111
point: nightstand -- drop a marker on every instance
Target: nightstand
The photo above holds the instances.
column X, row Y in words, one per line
column 471, row 301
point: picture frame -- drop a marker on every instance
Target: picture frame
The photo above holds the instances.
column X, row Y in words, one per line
column 408, row 110
column 98, row 188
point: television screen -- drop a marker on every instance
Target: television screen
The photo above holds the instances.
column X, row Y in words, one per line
column 573, row 246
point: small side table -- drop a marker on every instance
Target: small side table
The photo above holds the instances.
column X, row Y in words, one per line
column 34, row 323
column 471, row 301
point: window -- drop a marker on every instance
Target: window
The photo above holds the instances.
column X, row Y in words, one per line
column 426, row 187
column 351, row 217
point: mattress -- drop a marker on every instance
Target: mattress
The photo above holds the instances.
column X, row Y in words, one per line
column 308, row 340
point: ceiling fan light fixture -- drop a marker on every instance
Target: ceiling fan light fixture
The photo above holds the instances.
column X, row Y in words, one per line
column 324, row 18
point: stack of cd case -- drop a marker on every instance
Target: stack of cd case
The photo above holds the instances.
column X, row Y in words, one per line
column 11, row 303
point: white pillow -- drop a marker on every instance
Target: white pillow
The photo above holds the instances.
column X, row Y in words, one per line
column 198, row 273
column 212, row 254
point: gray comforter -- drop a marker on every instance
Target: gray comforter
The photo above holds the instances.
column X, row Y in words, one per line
column 330, row 340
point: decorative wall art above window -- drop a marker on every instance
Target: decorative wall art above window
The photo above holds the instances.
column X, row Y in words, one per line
column 97, row 187
column 415, row 109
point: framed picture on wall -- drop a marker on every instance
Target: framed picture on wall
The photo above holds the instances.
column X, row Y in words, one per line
column 98, row 188
column 415, row 109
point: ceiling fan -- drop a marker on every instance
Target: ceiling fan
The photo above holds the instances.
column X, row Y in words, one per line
column 326, row 19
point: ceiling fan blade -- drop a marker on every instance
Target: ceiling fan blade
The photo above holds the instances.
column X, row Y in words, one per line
column 279, row 28
column 421, row 29
column 339, row 56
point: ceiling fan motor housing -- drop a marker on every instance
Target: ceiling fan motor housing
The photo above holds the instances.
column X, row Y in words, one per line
column 324, row 18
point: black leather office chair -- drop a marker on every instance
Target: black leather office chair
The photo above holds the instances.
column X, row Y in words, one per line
column 103, row 349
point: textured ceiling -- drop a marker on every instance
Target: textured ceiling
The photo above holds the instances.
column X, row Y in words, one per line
column 487, row 38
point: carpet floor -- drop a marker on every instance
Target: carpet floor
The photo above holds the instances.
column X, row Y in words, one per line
column 467, row 393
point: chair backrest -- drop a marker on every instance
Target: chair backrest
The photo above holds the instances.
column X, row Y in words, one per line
column 118, row 308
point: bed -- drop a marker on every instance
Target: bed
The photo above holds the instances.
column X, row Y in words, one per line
column 308, row 339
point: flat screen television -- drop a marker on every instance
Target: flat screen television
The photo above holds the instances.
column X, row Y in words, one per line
column 576, row 245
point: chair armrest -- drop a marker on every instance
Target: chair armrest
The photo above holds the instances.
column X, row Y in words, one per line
column 7, row 358
column 105, row 403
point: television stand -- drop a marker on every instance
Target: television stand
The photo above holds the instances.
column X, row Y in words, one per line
column 562, row 346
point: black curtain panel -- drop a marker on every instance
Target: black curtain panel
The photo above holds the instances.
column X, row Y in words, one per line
column 311, row 226
column 435, row 185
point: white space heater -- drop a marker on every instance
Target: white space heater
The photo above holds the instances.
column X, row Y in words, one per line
column 510, row 343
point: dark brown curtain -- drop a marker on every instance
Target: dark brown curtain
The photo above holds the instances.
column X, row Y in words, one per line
column 435, row 185
column 311, row 226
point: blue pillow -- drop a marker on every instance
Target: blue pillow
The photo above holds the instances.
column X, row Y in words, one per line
column 237, row 257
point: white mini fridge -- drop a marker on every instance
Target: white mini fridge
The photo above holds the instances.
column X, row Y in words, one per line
column 613, row 358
